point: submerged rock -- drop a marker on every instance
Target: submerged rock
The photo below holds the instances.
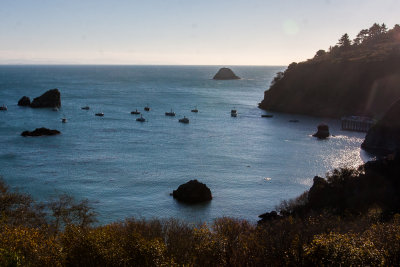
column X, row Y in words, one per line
column 323, row 131
column 384, row 137
column 50, row 99
column 225, row 74
column 40, row 132
column 192, row 192
column 24, row 101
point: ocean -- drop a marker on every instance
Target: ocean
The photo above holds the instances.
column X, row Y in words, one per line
column 128, row 169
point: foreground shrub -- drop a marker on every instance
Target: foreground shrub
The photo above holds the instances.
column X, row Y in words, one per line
column 22, row 246
column 336, row 249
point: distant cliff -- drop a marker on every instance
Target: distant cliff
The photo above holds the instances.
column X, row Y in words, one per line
column 355, row 77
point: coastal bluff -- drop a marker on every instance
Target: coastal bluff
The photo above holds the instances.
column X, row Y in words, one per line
column 355, row 77
column 225, row 74
column 384, row 136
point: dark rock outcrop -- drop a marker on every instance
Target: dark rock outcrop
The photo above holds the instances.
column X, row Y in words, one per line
column 192, row 192
column 50, row 99
column 40, row 132
column 24, row 101
column 384, row 137
column 323, row 131
column 225, row 74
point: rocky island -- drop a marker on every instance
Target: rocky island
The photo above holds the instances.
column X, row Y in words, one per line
column 225, row 74
column 40, row 132
column 192, row 192
column 354, row 77
column 50, row 99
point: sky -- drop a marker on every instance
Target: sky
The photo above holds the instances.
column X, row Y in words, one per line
column 181, row 32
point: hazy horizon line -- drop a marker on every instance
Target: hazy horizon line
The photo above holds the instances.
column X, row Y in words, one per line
column 112, row 64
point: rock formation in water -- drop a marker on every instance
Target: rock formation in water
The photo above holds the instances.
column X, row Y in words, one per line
column 322, row 132
column 50, row 99
column 384, row 137
column 24, row 101
column 40, row 132
column 192, row 192
column 359, row 77
column 225, row 74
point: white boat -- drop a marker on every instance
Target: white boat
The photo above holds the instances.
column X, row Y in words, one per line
column 64, row 120
column 100, row 114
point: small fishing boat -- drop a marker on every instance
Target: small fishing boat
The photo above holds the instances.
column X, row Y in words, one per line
column 85, row 108
column 147, row 108
column 100, row 114
column 141, row 119
column 171, row 113
column 64, row 120
column 3, row 107
column 233, row 113
column 184, row 120
column 195, row 110
column 266, row 116
column 136, row 112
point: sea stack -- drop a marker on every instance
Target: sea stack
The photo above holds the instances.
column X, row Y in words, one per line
column 225, row 74
column 50, row 99
column 24, row 101
column 384, row 137
column 192, row 192
column 322, row 132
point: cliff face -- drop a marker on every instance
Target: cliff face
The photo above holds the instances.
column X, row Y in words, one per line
column 357, row 79
column 384, row 137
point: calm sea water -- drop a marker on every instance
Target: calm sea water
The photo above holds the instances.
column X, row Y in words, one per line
column 126, row 168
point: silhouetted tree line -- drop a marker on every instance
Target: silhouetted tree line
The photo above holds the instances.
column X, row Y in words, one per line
column 354, row 77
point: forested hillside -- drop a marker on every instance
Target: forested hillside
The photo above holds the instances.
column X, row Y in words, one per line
column 354, row 77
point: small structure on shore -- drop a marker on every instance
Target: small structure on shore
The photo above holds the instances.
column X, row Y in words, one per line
column 192, row 192
column 225, row 74
column 323, row 131
column 357, row 123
